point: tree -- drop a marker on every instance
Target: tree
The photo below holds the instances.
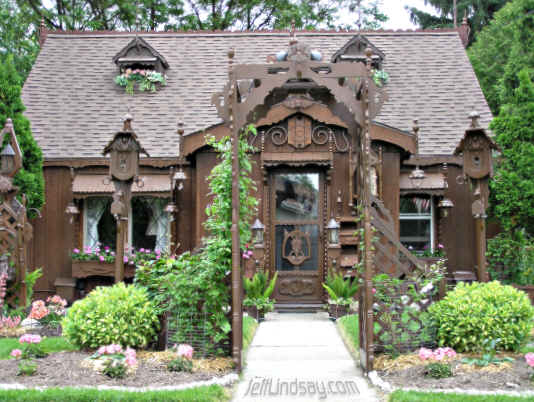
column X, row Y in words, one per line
column 479, row 13
column 513, row 185
column 30, row 177
column 502, row 49
column 18, row 36
column 196, row 14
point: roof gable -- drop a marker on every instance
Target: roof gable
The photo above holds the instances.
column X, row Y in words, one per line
column 354, row 50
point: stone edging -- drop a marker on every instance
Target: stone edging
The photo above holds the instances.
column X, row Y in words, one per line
column 387, row 387
column 226, row 380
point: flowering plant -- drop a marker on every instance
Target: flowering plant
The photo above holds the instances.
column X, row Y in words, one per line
column 31, row 347
column 50, row 314
column 114, row 361
column 247, row 253
column 529, row 358
column 105, row 254
column 438, row 354
column 146, row 80
column 439, row 252
column 184, row 359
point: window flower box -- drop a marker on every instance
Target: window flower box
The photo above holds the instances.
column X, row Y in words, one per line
column 84, row 269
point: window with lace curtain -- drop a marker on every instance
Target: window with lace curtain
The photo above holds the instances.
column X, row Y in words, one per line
column 149, row 226
column 416, row 223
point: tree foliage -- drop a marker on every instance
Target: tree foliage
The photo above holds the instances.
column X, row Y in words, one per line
column 513, row 185
column 479, row 13
column 196, row 14
column 502, row 49
column 30, row 177
column 18, row 36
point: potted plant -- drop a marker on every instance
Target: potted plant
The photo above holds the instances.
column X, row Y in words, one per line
column 341, row 292
column 258, row 290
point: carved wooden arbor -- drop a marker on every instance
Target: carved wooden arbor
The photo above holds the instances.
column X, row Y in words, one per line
column 15, row 230
column 355, row 99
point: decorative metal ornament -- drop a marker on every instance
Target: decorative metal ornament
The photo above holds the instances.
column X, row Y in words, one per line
column 300, row 244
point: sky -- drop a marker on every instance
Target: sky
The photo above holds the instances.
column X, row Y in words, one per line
column 399, row 18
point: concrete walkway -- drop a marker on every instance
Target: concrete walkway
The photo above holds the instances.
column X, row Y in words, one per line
column 301, row 357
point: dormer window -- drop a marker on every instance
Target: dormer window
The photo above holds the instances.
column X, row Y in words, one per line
column 354, row 51
column 140, row 65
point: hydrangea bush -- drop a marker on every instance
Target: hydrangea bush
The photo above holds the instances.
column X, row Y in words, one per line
column 118, row 314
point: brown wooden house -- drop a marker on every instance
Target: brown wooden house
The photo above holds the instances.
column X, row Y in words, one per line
column 305, row 164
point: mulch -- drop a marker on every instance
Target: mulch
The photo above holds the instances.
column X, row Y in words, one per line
column 513, row 376
column 63, row 369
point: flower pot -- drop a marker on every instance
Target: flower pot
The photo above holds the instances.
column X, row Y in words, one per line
column 253, row 312
column 84, row 269
column 336, row 311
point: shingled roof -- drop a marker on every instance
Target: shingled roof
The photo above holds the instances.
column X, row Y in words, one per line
column 75, row 107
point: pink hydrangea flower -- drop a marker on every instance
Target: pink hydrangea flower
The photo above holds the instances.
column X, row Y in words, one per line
column 425, row 354
column 16, row 353
column 185, row 351
column 529, row 357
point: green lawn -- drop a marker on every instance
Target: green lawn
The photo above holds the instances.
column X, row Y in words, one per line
column 249, row 329
column 348, row 327
column 50, row 345
column 211, row 393
column 412, row 396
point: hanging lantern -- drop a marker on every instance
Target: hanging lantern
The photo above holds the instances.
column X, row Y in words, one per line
column 444, row 206
column 171, row 209
column 179, row 178
column 333, row 232
column 417, row 176
column 7, row 160
column 258, row 229
column 72, row 210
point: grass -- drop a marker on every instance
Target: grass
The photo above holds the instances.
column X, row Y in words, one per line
column 413, row 396
column 50, row 345
column 249, row 329
column 199, row 394
column 349, row 329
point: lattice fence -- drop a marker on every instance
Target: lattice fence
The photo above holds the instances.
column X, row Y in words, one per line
column 401, row 320
column 195, row 329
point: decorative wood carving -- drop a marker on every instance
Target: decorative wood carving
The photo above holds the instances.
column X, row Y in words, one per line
column 297, row 287
column 300, row 243
column 299, row 128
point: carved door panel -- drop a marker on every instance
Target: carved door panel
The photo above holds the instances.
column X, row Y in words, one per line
column 296, row 235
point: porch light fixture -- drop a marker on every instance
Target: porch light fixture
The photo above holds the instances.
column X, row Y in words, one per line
column 72, row 210
column 417, row 176
column 333, row 232
column 171, row 209
column 258, row 229
column 179, row 178
column 444, row 206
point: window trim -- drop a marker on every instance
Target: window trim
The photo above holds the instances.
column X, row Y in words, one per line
column 427, row 216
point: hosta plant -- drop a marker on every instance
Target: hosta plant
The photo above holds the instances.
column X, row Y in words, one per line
column 118, row 314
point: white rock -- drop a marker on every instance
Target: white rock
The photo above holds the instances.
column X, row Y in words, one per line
column 30, row 323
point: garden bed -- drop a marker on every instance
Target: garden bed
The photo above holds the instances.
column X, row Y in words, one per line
column 513, row 376
column 64, row 369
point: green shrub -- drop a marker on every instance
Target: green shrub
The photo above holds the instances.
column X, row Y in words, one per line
column 180, row 364
column 438, row 370
column 340, row 290
column 473, row 314
column 118, row 314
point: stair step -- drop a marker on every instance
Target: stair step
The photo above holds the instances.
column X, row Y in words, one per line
column 298, row 307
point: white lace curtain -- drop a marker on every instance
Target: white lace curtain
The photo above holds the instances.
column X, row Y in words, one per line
column 158, row 225
column 94, row 208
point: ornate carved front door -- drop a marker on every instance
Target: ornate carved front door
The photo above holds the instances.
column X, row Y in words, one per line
column 296, row 229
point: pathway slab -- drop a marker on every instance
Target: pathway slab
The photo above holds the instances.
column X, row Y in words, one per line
column 301, row 357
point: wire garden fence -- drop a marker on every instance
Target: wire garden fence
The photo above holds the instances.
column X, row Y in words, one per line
column 195, row 329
